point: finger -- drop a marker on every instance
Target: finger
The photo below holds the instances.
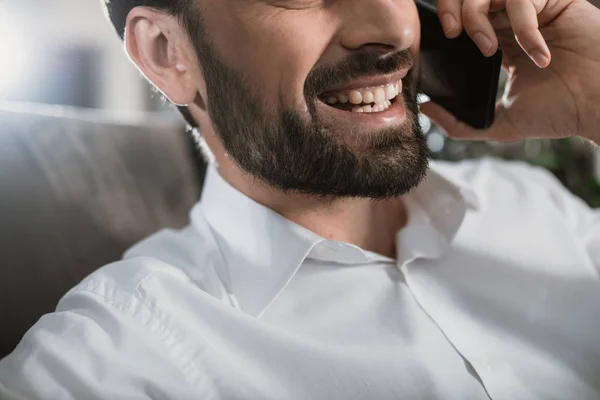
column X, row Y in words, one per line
column 477, row 24
column 449, row 12
column 449, row 124
column 501, row 131
column 523, row 16
column 497, row 5
column 500, row 21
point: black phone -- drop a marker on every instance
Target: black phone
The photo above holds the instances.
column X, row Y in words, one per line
column 454, row 72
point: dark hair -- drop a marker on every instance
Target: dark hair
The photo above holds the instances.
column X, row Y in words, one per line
column 117, row 10
column 185, row 10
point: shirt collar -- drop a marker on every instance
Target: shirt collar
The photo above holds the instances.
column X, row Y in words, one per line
column 262, row 251
column 436, row 210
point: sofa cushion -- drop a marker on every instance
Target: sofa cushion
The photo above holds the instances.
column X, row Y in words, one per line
column 76, row 190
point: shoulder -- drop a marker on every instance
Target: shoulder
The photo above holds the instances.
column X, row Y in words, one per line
column 472, row 171
column 515, row 189
column 123, row 321
column 102, row 327
column 117, row 283
column 506, row 180
column 178, row 258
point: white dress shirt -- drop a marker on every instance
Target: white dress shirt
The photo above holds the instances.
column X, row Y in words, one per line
column 495, row 293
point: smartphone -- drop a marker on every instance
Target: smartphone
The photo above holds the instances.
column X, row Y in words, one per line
column 455, row 74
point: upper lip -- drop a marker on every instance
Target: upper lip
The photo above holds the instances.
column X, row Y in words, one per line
column 374, row 81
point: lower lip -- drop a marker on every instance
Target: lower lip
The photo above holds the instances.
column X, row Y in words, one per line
column 393, row 115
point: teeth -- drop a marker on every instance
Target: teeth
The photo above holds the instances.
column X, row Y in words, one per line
column 370, row 95
column 390, row 92
column 379, row 95
column 379, row 107
column 355, row 97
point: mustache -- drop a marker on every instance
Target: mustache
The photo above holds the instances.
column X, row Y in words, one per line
column 357, row 65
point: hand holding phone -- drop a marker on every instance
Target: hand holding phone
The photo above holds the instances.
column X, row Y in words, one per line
column 538, row 102
column 455, row 74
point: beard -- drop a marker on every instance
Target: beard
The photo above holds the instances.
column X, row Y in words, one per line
column 292, row 148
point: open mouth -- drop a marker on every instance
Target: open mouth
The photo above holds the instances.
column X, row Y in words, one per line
column 372, row 99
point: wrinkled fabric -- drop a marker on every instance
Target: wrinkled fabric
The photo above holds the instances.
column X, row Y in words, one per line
column 494, row 293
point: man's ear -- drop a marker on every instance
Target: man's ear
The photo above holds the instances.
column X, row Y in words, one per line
column 160, row 48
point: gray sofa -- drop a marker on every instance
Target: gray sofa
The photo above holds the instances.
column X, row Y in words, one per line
column 77, row 188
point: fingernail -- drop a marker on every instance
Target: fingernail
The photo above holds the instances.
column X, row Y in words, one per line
column 540, row 59
column 483, row 42
column 449, row 22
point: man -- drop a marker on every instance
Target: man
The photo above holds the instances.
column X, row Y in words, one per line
column 324, row 260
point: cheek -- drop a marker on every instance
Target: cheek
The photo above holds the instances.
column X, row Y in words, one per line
column 303, row 43
column 415, row 49
column 417, row 43
column 275, row 53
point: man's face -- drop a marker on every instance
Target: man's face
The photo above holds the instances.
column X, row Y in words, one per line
column 316, row 96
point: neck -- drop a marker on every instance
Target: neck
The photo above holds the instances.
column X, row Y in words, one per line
column 372, row 225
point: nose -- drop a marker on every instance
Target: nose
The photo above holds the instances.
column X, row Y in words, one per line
column 379, row 25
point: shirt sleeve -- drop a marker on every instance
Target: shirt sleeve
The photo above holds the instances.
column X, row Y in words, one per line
column 90, row 349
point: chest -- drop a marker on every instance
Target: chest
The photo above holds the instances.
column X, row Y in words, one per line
column 436, row 330
column 520, row 300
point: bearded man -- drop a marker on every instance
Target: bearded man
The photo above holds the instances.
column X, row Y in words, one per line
column 326, row 259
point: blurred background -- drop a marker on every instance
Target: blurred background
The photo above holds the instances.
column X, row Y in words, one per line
column 64, row 52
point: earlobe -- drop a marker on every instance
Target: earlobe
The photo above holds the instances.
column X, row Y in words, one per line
column 184, row 77
column 154, row 44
